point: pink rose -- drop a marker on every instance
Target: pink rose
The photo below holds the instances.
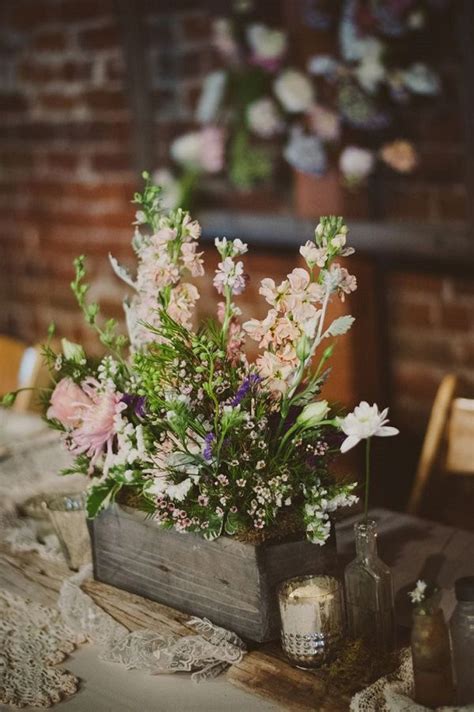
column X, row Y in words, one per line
column 67, row 403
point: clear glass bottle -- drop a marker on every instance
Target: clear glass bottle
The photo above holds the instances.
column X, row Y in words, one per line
column 432, row 666
column 369, row 591
column 462, row 636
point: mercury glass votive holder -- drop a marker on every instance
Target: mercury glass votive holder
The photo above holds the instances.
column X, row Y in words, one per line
column 67, row 513
column 312, row 619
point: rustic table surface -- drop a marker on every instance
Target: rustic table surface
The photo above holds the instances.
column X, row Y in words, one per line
column 414, row 548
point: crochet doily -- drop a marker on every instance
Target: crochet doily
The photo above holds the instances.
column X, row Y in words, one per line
column 394, row 693
column 33, row 640
column 205, row 654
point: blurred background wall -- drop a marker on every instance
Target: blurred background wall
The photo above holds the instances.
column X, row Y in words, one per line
column 68, row 170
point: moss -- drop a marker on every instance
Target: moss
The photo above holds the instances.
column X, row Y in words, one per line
column 356, row 667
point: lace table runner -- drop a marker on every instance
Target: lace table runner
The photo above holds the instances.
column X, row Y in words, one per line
column 394, row 693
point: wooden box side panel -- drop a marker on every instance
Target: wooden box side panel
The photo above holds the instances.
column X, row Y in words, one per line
column 183, row 571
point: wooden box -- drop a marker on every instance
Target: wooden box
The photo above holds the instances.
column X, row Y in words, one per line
column 230, row 582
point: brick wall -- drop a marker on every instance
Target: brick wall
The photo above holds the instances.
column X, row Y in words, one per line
column 66, row 180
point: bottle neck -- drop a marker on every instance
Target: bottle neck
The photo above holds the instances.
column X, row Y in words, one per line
column 366, row 540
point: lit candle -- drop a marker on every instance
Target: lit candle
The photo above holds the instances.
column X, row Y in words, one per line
column 312, row 618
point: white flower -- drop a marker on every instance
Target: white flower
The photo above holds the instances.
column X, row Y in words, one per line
column 178, row 492
column 418, row 593
column 370, row 72
column 266, row 44
column 313, row 413
column 186, row 149
column 170, row 190
column 313, row 255
column 356, row 163
column 294, row 90
column 263, row 118
column 73, row 352
column 420, row 79
column 230, row 248
column 365, row 422
column 211, row 97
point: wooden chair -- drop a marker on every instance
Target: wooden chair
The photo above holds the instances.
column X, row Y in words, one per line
column 21, row 366
column 449, row 441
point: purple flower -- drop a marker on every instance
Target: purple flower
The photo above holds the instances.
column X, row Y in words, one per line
column 207, row 452
column 244, row 388
column 136, row 403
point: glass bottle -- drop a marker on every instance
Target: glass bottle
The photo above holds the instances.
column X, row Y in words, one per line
column 369, row 591
column 462, row 636
column 432, row 667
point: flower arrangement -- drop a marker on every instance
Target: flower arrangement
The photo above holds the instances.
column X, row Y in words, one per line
column 342, row 110
column 176, row 415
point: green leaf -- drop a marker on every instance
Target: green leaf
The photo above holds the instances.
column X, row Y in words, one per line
column 341, row 325
column 100, row 496
column 8, row 399
column 232, row 523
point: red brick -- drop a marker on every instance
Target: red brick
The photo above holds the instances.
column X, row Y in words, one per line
column 407, row 201
column 76, row 10
column 13, row 102
column 451, row 202
column 100, row 37
column 457, row 317
column 119, row 161
column 412, row 314
column 59, row 101
column 415, row 382
column 107, row 100
column 196, row 26
column 42, row 73
column 412, row 283
column 115, row 68
column 50, row 40
column 31, row 13
column 62, row 160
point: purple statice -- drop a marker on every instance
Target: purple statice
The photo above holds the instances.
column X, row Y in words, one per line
column 244, row 388
column 136, row 403
column 207, row 452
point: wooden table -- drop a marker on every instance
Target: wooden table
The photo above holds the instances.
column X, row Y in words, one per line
column 414, row 548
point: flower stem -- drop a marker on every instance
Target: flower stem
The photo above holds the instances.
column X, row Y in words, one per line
column 367, row 479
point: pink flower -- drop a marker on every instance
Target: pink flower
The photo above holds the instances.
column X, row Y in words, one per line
column 324, row 122
column 98, row 421
column 183, row 299
column 299, row 279
column 192, row 259
column 67, row 401
column 212, row 149
column 231, row 275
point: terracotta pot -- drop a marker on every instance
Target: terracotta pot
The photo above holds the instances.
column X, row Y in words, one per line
column 326, row 195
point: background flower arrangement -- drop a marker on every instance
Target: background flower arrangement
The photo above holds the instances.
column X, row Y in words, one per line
column 176, row 415
column 343, row 110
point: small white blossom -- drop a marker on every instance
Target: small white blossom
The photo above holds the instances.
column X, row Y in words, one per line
column 365, row 422
column 418, row 593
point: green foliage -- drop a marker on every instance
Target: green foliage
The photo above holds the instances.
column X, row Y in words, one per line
column 248, row 164
column 148, row 202
column 107, row 333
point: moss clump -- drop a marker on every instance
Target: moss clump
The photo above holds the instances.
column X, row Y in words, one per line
column 357, row 666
